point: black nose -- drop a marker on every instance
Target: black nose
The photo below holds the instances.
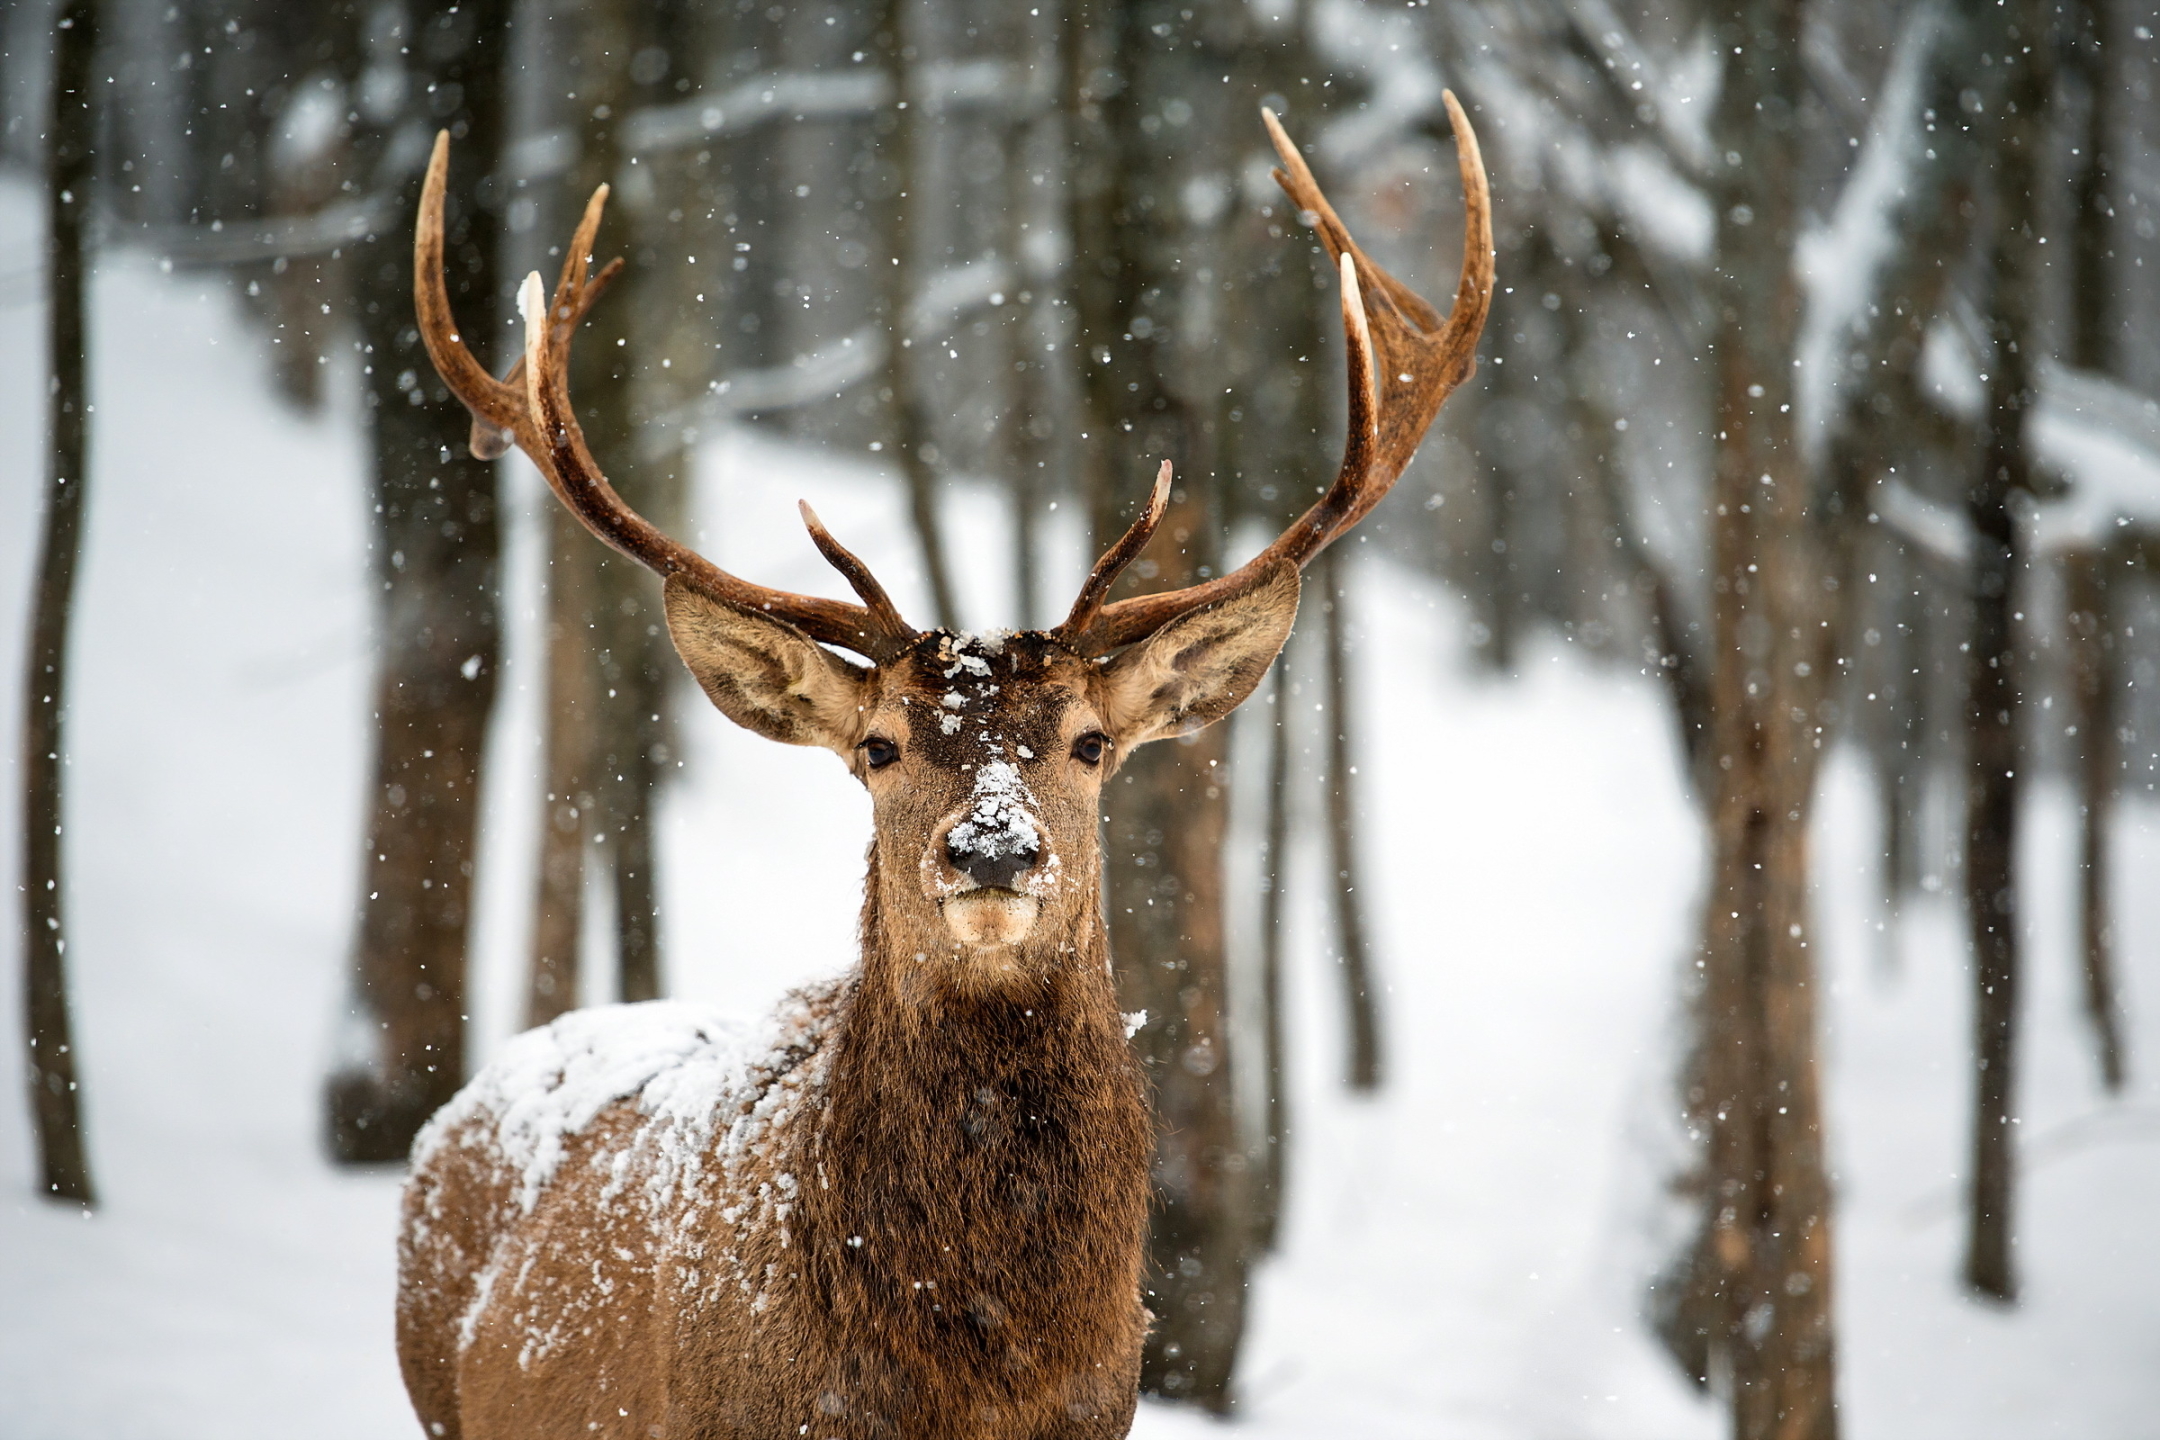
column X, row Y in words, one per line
column 994, row 861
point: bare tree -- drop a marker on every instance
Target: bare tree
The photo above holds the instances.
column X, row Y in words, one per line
column 71, row 181
column 1031, row 428
column 2093, row 679
column 1352, row 951
column 1271, row 1174
column 1125, row 60
column 2091, row 623
column 436, row 563
column 905, row 142
column 608, row 661
column 1756, row 1300
column 2011, row 245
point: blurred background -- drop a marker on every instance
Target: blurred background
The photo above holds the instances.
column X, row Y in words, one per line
column 1674, row 952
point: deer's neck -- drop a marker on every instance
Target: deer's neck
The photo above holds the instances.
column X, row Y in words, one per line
column 983, row 1153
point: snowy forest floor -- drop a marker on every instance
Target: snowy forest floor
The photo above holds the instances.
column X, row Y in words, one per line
column 1465, row 1255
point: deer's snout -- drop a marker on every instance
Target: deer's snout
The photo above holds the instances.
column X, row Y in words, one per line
column 994, row 861
column 990, row 862
column 999, row 846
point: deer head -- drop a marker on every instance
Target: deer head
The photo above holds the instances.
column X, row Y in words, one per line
column 984, row 755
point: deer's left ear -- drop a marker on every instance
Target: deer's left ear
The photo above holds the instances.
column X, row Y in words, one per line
column 1200, row 666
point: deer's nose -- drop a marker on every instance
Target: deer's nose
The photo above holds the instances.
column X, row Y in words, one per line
column 994, row 861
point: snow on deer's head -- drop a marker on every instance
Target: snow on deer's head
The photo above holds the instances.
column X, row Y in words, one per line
column 984, row 755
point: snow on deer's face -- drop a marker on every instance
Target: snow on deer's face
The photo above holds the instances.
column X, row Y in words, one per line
column 984, row 758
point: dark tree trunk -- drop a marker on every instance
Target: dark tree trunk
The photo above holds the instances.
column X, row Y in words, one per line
column 1992, row 662
column 1499, row 597
column 2092, row 691
column 436, row 561
column 1270, row 1174
column 1353, row 954
column 1754, row 1305
column 570, row 728
column 2091, row 621
column 904, row 146
column 1897, row 674
column 71, row 182
column 1125, row 61
column 1031, row 419
column 2094, row 312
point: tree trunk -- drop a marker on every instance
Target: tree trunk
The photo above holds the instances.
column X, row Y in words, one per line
column 1755, row 1307
column 1031, row 418
column 1900, row 740
column 71, row 184
column 2094, row 311
column 2092, row 692
column 2091, row 622
column 1276, row 442
column 555, row 982
column 436, row 558
column 1991, row 662
column 905, row 145
column 1362, row 1070
column 609, row 661
column 1144, row 402
column 1269, row 1176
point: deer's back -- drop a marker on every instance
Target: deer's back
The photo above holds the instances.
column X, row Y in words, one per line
column 613, row 1174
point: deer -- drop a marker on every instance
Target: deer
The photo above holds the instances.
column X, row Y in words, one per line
column 911, row 1201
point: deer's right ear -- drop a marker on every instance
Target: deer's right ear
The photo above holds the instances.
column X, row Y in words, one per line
column 1200, row 666
column 764, row 674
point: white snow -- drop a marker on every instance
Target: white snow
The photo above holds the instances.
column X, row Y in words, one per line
column 998, row 823
column 1464, row 1252
column 1839, row 262
column 1674, row 215
column 2105, row 440
column 1949, row 368
column 689, row 1066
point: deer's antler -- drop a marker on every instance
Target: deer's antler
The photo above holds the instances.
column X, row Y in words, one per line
column 531, row 408
column 1421, row 361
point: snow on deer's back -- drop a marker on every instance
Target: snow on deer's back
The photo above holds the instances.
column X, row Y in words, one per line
column 672, row 1122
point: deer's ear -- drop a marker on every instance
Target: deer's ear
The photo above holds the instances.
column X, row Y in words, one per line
column 1200, row 666
column 765, row 674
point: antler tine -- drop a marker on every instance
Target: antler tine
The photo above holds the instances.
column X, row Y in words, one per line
column 532, row 407
column 495, row 403
column 1113, row 562
column 1354, row 491
column 570, row 284
column 883, row 612
column 497, row 406
column 487, row 442
column 1421, row 361
column 560, row 451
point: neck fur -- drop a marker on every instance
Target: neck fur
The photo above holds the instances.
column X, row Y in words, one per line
column 983, row 1153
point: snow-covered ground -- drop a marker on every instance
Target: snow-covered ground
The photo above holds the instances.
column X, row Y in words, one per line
column 1465, row 1254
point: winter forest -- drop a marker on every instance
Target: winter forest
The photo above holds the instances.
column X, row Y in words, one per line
column 1669, row 949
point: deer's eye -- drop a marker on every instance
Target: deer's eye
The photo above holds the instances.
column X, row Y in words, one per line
column 1088, row 749
column 878, row 752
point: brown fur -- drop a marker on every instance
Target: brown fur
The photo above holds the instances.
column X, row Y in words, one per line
column 941, row 1236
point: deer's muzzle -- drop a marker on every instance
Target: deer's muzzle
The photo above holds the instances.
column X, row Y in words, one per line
column 988, row 863
column 992, row 863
